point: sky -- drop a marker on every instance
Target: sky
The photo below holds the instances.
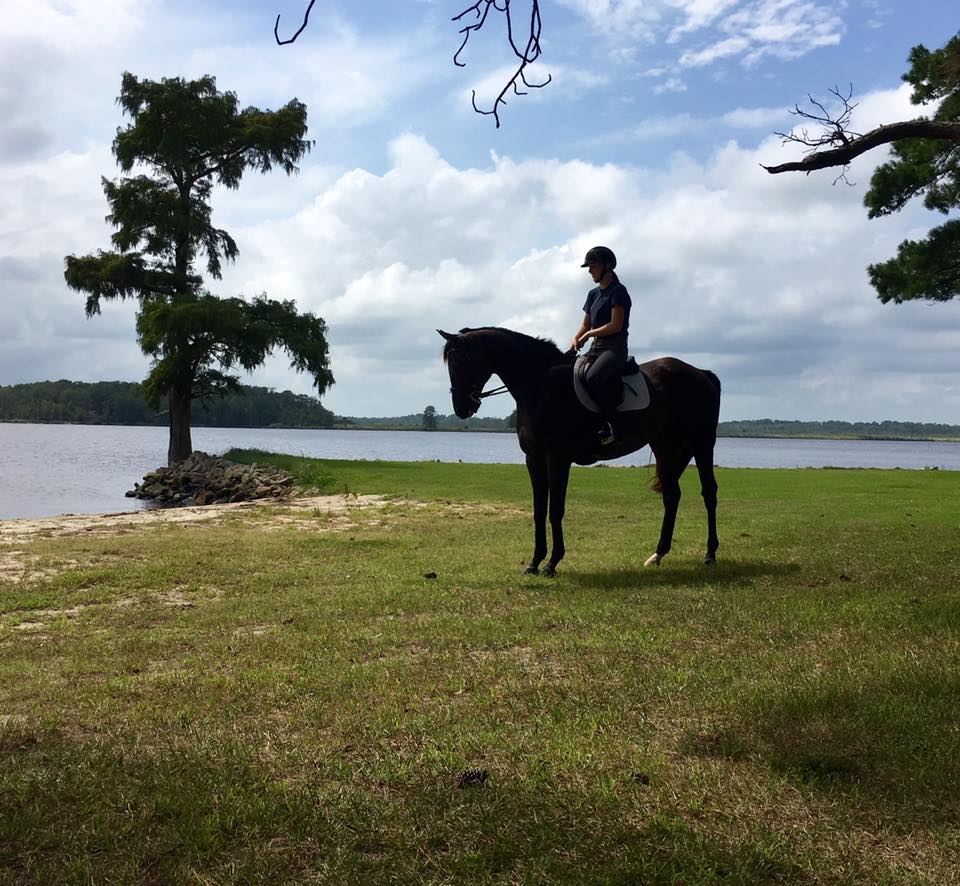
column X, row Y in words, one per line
column 413, row 213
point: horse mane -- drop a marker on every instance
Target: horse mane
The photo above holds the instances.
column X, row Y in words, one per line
column 542, row 350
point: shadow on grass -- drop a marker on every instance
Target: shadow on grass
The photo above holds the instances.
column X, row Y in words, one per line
column 88, row 812
column 890, row 745
column 681, row 575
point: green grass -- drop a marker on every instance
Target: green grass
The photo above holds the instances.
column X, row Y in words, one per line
column 258, row 701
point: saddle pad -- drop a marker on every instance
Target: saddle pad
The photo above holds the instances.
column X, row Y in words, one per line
column 636, row 393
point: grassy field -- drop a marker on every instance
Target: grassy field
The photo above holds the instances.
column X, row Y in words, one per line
column 289, row 696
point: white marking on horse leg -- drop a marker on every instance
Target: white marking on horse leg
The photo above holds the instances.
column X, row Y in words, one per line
column 653, row 560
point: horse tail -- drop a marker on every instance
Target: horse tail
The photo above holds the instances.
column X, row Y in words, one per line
column 655, row 484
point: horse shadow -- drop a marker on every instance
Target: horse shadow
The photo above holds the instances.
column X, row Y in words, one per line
column 723, row 574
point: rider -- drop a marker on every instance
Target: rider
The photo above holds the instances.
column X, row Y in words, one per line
column 606, row 318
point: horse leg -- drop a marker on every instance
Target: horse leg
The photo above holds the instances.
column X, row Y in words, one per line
column 672, row 459
column 708, row 489
column 539, row 480
column 559, row 474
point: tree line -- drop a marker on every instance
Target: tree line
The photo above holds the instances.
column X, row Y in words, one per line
column 124, row 403
column 430, row 420
column 860, row 430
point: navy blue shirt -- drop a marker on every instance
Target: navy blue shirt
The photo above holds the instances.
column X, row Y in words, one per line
column 599, row 305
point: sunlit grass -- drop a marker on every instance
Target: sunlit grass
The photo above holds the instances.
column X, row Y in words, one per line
column 246, row 701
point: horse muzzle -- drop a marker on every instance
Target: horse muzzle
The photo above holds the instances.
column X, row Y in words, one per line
column 466, row 405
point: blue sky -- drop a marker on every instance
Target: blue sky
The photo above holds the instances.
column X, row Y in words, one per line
column 412, row 212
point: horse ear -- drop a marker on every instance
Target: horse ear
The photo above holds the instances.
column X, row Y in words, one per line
column 449, row 336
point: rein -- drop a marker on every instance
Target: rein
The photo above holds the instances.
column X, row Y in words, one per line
column 501, row 390
column 477, row 396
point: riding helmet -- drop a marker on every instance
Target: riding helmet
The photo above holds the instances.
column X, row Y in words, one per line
column 601, row 255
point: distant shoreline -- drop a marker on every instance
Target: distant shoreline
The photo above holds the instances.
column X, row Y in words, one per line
column 800, row 435
column 122, row 404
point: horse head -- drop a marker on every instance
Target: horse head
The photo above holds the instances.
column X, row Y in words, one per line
column 469, row 372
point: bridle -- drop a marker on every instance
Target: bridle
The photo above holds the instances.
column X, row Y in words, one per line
column 476, row 397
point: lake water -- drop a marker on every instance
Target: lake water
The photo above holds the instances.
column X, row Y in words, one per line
column 56, row 469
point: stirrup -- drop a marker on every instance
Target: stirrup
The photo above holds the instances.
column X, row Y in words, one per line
column 606, row 434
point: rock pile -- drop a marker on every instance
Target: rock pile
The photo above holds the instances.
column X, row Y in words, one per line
column 203, row 479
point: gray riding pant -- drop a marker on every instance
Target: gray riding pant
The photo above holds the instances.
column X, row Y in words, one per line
column 607, row 365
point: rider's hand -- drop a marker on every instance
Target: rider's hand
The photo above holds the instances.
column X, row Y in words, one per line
column 575, row 344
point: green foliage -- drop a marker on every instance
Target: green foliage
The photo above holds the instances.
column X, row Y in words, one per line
column 229, row 332
column 414, row 422
column 928, row 269
column 192, row 137
column 863, row 430
column 925, row 269
column 430, row 418
column 123, row 403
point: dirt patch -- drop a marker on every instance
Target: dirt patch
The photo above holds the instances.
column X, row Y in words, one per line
column 18, row 565
column 29, row 626
column 17, row 531
column 322, row 513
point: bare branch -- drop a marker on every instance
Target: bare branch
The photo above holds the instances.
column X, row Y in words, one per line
column 529, row 54
column 479, row 10
column 300, row 30
column 842, row 144
column 836, row 131
column 891, row 132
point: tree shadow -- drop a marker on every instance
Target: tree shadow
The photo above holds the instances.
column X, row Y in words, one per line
column 82, row 810
column 889, row 745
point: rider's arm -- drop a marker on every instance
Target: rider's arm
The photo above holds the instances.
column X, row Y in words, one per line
column 580, row 335
column 617, row 315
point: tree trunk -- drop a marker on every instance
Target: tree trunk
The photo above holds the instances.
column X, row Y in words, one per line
column 180, row 443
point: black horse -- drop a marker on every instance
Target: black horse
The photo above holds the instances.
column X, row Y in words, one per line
column 555, row 430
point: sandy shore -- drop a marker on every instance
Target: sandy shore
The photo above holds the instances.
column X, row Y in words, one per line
column 13, row 531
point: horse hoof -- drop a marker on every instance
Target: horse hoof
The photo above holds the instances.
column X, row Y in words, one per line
column 709, row 561
column 531, row 570
column 653, row 560
column 550, row 571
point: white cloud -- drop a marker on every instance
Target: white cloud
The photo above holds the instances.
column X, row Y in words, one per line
column 715, row 51
column 632, row 19
column 699, row 14
column 755, row 118
column 341, row 69
column 671, row 84
column 759, row 277
column 566, row 83
column 717, row 30
column 783, row 29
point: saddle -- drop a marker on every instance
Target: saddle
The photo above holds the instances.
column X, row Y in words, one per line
column 628, row 392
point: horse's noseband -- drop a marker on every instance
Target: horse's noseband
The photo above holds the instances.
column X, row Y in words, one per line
column 474, row 398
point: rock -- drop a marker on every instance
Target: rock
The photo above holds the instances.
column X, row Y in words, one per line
column 472, row 777
column 207, row 479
